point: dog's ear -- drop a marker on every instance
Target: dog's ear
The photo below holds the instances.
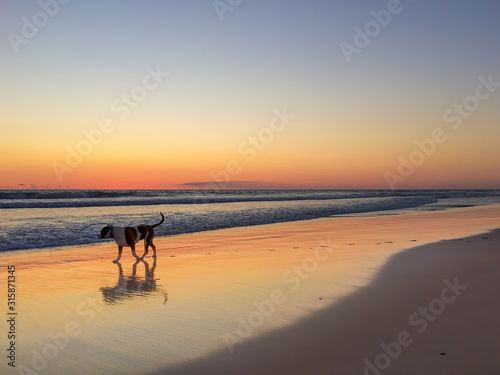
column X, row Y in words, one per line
column 106, row 232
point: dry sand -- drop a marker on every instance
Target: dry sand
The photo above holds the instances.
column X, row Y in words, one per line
column 341, row 287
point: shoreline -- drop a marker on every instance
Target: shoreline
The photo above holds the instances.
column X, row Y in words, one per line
column 84, row 225
column 177, row 311
column 164, row 238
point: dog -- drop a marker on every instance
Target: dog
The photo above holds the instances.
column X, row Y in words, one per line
column 129, row 236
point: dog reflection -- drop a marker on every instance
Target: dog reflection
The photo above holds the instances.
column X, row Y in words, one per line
column 133, row 285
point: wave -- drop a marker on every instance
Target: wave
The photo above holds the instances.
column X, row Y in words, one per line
column 71, row 198
column 64, row 194
column 75, row 229
column 102, row 198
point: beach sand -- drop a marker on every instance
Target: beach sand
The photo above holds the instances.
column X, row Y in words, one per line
column 394, row 294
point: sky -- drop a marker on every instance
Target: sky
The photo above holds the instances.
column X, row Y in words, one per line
column 317, row 94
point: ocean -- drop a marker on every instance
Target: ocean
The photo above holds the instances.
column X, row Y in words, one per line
column 43, row 219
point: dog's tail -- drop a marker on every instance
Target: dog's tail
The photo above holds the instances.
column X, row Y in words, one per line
column 162, row 220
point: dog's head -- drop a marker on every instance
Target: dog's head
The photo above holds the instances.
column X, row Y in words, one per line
column 106, row 232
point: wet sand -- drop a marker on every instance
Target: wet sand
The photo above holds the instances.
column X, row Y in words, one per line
column 308, row 297
column 433, row 309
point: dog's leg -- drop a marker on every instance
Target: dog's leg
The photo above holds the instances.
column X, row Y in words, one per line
column 133, row 251
column 154, row 249
column 146, row 245
column 120, row 248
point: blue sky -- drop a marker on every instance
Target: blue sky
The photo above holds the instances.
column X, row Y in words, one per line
column 226, row 77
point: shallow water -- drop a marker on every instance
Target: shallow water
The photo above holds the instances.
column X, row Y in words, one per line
column 42, row 219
